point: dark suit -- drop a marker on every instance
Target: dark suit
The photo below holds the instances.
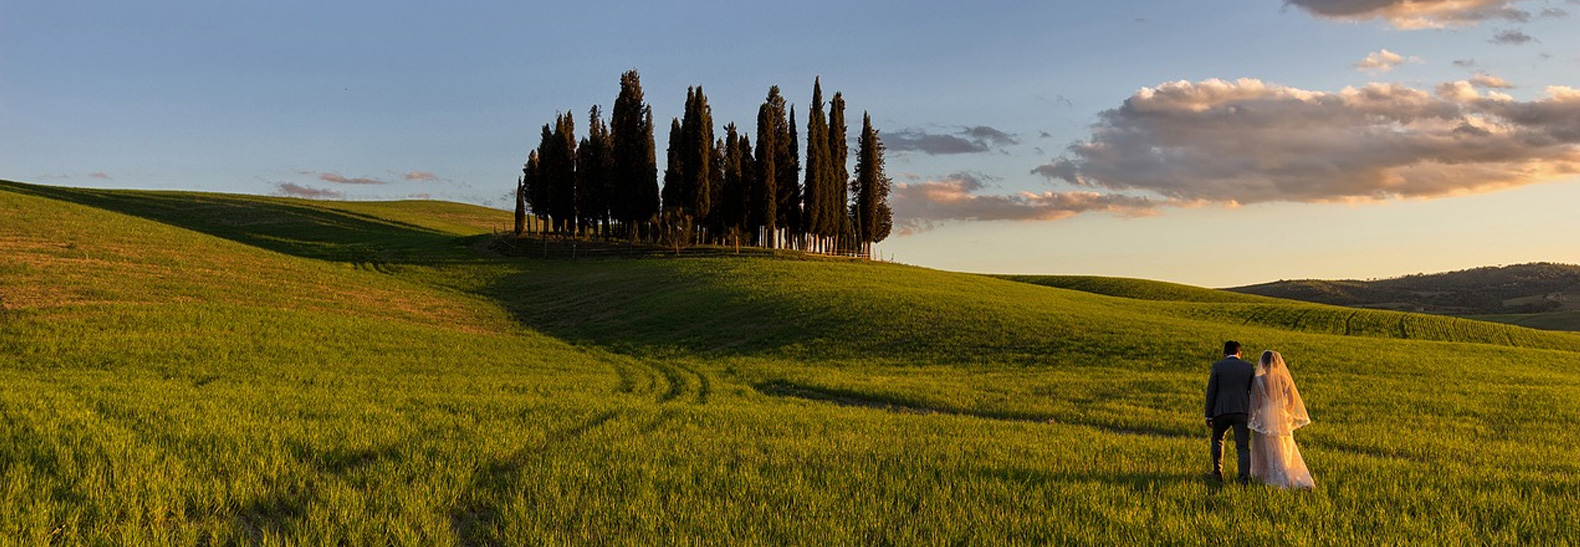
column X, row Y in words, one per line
column 1229, row 406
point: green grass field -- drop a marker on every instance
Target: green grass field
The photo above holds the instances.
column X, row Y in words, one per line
column 200, row 369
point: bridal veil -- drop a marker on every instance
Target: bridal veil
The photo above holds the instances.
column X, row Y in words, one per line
column 1276, row 408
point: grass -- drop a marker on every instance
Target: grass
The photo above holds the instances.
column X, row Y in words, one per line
column 207, row 369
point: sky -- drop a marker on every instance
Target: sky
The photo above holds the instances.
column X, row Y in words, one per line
column 1216, row 142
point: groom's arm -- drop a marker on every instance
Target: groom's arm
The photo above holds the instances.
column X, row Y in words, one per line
column 1212, row 394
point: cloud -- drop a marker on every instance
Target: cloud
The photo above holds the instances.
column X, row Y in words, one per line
column 337, row 178
column 1415, row 14
column 1379, row 62
column 990, row 136
column 1488, row 81
column 1465, row 63
column 421, row 175
column 919, row 206
column 340, row 179
column 1554, row 13
column 1247, row 141
column 297, row 190
column 1511, row 38
column 99, row 175
column 968, row 140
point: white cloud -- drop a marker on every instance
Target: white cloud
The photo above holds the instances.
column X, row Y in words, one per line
column 1488, row 81
column 1415, row 14
column 1379, row 62
column 1248, row 141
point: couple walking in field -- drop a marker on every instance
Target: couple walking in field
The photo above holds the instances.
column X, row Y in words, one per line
column 1259, row 402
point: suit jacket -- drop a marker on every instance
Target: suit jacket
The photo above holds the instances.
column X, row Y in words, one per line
column 1229, row 387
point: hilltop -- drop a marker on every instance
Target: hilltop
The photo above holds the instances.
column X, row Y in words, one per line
column 191, row 368
column 1542, row 295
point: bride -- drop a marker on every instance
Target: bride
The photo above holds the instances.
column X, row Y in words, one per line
column 1276, row 411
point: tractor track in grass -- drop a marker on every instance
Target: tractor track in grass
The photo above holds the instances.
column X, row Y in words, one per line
column 476, row 519
column 666, row 382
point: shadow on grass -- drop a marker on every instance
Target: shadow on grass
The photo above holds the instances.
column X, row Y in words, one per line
column 285, row 506
column 651, row 308
column 294, row 227
column 1138, row 481
column 780, row 388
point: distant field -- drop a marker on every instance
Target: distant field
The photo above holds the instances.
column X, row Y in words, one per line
column 202, row 369
column 1558, row 320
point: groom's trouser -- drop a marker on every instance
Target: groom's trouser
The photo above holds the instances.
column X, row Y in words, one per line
column 1242, row 443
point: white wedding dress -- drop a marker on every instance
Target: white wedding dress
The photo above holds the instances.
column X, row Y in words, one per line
column 1276, row 412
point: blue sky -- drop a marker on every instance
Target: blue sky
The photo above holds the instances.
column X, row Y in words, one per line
column 407, row 99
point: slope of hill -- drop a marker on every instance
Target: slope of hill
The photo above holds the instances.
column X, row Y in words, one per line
column 1144, row 289
column 1524, row 292
column 281, row 371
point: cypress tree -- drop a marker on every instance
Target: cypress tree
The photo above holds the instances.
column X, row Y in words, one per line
column 817, row 167
column 674, row 168
column 700, row 185
column 592, row 173
column 559, row 170
column 787, row 158
column 874, row 220
column 765, row 193
column 521, row 206
column 742, row 200
column 837, row 201
column 538, row 180
column 634, row 166
column 727, row 212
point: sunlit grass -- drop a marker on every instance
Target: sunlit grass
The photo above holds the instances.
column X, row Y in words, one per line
column 356, row 373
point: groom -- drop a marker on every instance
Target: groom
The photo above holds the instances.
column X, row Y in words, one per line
column 1229, row 406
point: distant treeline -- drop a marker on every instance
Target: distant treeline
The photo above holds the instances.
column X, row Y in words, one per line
column 715, row 190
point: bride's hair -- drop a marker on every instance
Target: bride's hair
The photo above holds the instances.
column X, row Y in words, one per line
column 1271, row 359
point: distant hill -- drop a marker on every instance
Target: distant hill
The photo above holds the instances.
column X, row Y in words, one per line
column 1541, row 295
column 1140, row 289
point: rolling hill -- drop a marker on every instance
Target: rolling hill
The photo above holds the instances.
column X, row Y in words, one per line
column 1539, row 295
column 214, row 369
